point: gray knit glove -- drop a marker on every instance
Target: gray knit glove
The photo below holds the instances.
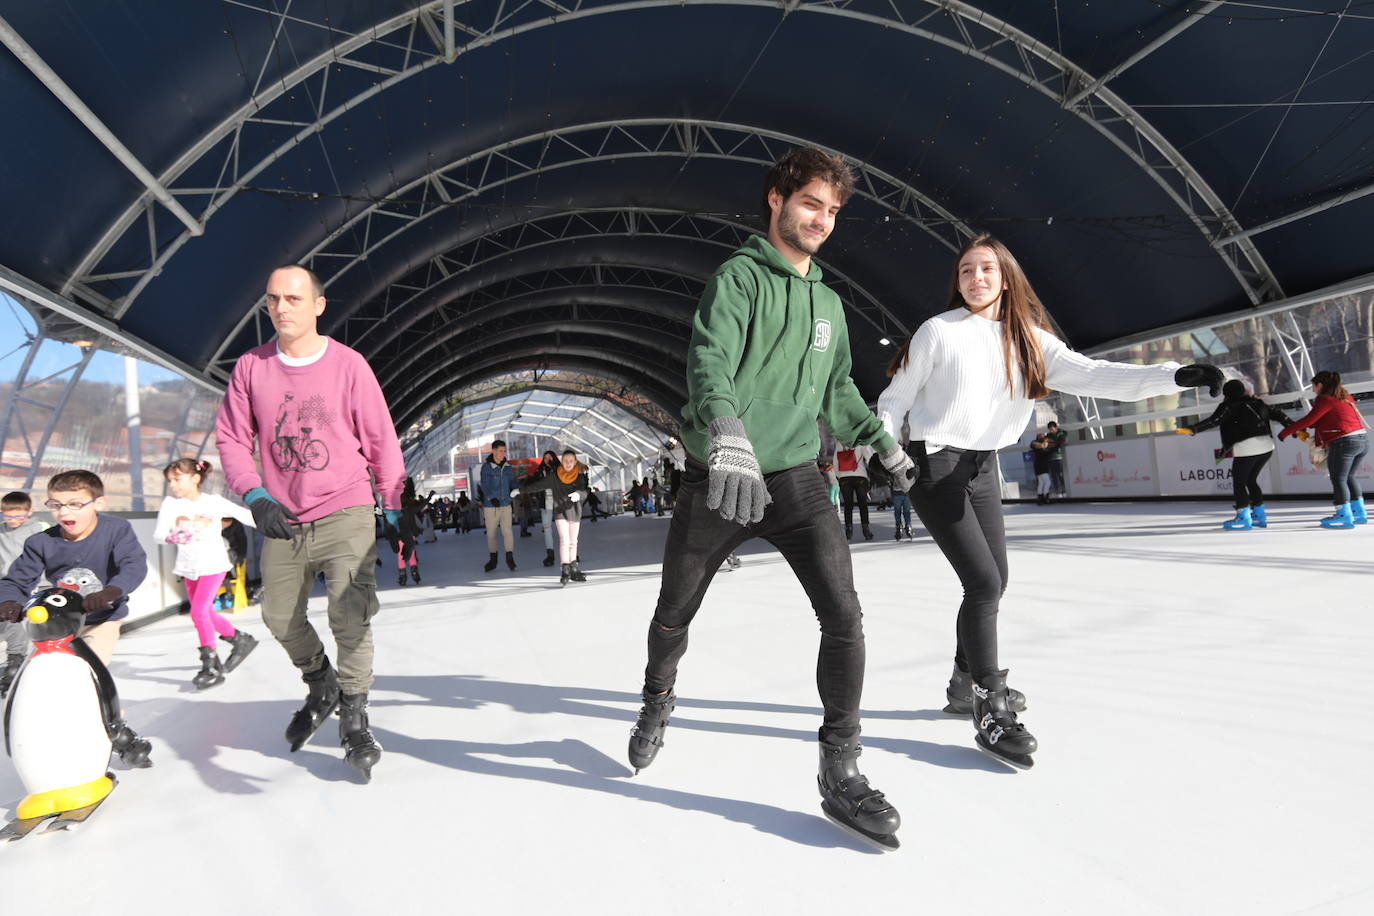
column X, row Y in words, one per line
column 735, row 483
column 899, row 464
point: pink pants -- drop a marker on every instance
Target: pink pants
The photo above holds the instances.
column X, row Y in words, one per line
column 567, row 539
column 208, row 621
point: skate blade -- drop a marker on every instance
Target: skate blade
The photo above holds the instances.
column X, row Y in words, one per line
column 884, row 842
column 954, row 710
column 17, row 829
column 1018, row 761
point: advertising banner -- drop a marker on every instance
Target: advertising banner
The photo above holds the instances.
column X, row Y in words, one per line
column 1188, row 467
column 1297, row 475
column 1119, row 467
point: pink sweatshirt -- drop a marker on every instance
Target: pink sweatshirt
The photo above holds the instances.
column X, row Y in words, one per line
column 320, row 429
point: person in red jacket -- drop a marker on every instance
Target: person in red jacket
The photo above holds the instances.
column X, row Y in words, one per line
column 1337, row 425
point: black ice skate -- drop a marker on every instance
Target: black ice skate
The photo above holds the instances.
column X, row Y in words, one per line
column 490, row 564
column 1000, row 735
column 415, row 574
column 959, row 693
column 510, row 560
column 732, row 561
column 548, row 556
column 868, row 533
column 211, row 672
column 13, row 663
column 850, row 802
column 575, row 567
column 242, row 643
column 566, row 575
column 319, row 703
column 132, row 749
column 401, row 577
column 647, row 735
column 361, row 750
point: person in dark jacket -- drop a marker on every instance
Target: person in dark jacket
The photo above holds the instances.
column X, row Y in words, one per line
column 1244, row 420
column 568, row 484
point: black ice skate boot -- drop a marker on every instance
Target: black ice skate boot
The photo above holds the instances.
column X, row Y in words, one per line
column 732, row 561
column 999, row 734
column 319, row 703
column 647, row 735
column 211, row 671
column 242, row 643
column 848, row 799
column 548, row 556
column 13, row 662
column 491, row 563
column 132, row 749
column 566, row 576
column 400, row 577
column 868, row 533
column 959, row 693
column 510, row 560
column 361, row 750
column 575, row 567
column 415, row 574
column 849, row 532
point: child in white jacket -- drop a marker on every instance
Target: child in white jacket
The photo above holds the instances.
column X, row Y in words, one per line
column 193, row 522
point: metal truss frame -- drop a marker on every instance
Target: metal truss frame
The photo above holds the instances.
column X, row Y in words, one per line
column 412, row 293
column 428, row 35
column 13, row 420
column 630, row 334
column 659, row 386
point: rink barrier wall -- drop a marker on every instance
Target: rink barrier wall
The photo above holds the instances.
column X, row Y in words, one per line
column 1170, row 466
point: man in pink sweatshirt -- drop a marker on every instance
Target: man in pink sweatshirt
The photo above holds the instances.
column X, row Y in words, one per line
column 321, row 425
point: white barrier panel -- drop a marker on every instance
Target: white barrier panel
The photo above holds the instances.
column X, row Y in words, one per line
column 1120, row 467
column 1187, row 466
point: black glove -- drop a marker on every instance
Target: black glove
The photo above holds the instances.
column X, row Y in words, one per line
column 102, row 600
column 11, row 611
column 271, row 517
column 1199, row 376
column 495, row 503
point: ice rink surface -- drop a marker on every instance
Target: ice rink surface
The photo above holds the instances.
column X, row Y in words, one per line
column 1198, row 696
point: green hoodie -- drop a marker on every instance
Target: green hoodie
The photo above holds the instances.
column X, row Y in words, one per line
column 771, row 347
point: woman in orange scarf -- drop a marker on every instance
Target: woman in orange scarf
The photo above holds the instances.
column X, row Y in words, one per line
column 569, row 487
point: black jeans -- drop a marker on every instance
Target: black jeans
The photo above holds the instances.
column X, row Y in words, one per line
column 958, row 499
column 801, row 524
column 1245, row 472
column 854, row 490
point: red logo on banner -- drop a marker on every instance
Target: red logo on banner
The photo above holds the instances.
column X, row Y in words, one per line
column 1103, row 456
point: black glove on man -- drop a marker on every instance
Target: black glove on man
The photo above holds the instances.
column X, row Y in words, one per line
column 495, row 503
column 102, row 600
column 1199, row 376
column 271, row 517
column 11, row 611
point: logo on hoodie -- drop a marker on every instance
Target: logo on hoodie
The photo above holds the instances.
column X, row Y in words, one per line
column 821, row 340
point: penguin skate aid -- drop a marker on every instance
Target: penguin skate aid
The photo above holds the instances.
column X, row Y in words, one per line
column 769, row 357
column 313, row 409
column 956, row 430
column 62, row 721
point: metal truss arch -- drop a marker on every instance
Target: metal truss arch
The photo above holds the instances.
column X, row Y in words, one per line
column 671, row 357
column 580, row 309
column 424, row 42
column 655, row 384
column 582, row 225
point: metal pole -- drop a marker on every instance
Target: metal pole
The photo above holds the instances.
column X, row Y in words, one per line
column 134, row 425
column 49, row 78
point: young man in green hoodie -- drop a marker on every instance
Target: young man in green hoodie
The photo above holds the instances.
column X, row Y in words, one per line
column 769, row 355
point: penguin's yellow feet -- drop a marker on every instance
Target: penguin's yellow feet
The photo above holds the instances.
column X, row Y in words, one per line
column 56, row 801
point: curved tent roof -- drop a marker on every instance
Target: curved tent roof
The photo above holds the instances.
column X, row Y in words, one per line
column 488, row 186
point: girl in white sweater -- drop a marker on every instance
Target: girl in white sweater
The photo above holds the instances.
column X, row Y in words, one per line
column 967, row 382
column 192, row 521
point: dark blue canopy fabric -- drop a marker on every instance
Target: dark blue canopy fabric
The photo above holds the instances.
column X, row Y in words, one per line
column 555, row 188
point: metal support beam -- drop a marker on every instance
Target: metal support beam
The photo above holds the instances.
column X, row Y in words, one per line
column 1296, row 215
column 1092, row 416
column 1297, row 359
column 55, row 414
column 1191, row 20
column 55, row 84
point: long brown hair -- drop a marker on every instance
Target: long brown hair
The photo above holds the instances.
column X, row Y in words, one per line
column 1021, row 314
column 1331, row 384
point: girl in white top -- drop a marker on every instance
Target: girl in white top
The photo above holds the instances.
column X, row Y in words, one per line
column 966, row 383
column 193, row 521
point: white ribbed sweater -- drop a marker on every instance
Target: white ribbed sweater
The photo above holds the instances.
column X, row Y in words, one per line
column 954, row 385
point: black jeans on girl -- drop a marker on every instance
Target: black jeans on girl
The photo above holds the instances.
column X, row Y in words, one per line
column 957, row 496
column 802, row 525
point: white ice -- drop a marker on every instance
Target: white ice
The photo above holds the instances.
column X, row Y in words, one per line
column 1199, row 697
